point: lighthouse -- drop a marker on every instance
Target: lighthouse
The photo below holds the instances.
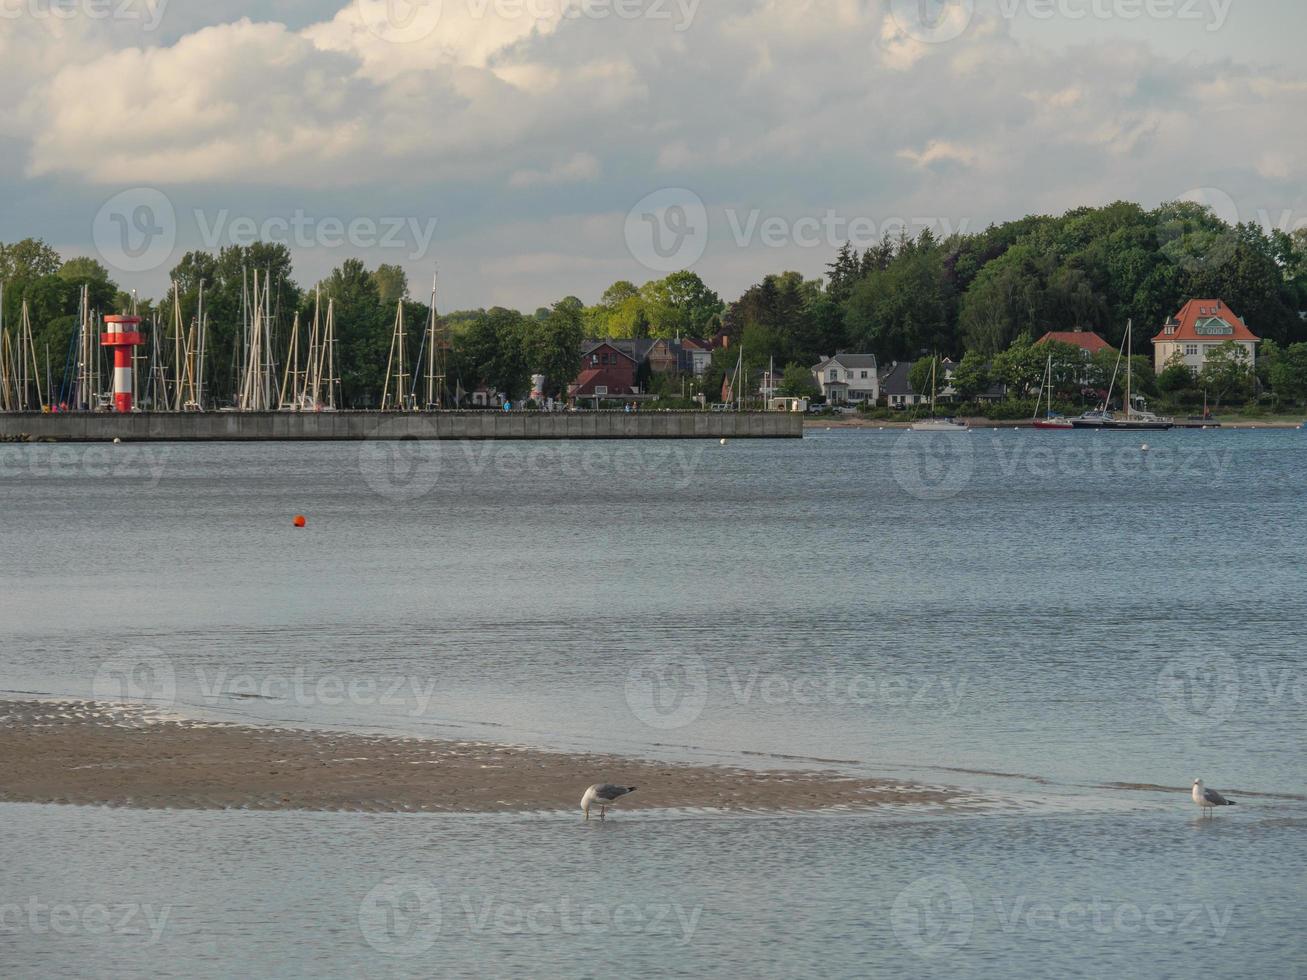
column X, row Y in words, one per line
column 122, row 334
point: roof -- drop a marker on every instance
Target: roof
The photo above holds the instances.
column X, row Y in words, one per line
column 621, row 346
column 1086, row 340
column 850, row 361
column 1205, row 320
column 895, row 381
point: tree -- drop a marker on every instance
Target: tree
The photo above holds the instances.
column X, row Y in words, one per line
column 797, row 382
column 494, row 350
column 1227, row 372
column 29, row 259
column 392, row 284
column 1176, row 377
column 554, row 348
column 679, row 305
column 1287, row 372
column 971, row 376
column 904, row 308
column 1021, row 367
column 922, row 371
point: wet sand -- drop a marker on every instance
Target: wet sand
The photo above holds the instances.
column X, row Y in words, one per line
column 73, row 752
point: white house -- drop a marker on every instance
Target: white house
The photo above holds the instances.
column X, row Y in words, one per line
column 848, row 379
column 1201, row 326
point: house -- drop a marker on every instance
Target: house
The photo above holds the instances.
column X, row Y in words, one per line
column 848, row 379
column 1201, row 326
column 897, row 389
column 607, row 371
column 1089, row 343
column 694, row 356
column 1086, row 340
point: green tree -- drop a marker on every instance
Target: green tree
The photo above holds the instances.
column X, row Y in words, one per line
column 392, row 284
column 679, row 305
column 797, row 382
column 494, row 351
column 971, row 377
column 555, row 346
column 29, row 259
column 1176, row 377
column 1227, row 372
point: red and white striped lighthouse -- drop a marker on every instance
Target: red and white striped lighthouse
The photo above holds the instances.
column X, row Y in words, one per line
column 122, row 334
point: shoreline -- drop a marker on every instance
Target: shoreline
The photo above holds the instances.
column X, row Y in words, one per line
column 982, row 423
column 88, row 753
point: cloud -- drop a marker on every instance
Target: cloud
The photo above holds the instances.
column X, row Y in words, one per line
column 787, row 107
column 581, row 167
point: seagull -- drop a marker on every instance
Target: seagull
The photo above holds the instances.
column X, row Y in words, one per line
column 603, row 795
column 1208, row 798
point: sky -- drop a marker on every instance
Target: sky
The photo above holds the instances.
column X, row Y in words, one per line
column 534, row 149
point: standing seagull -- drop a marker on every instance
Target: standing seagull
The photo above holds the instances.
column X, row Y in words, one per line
column 1208, row 798
column 603, row 795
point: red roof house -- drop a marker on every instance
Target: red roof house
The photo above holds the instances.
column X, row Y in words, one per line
column 1200, row 326
column 606, row 372
column 1086, row 340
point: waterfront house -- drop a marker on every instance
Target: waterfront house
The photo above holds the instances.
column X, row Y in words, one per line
column 607, row 371
column 694, row 356
column 848, row 379
column 1201, row 326
column 1088, row 341
column 897, row 389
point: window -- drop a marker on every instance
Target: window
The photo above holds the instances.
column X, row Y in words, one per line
column 601, row 389
column 864, row 375
column 1191, row 350
column 834, row 375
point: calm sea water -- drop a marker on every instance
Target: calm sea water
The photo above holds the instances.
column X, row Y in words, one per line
column 1043, row 619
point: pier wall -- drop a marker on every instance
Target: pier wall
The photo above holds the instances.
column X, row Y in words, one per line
column 358, row 426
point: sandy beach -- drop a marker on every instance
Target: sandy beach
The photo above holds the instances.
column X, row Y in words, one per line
column 95, row 754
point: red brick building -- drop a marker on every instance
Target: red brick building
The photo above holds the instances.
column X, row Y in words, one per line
column 606, row 372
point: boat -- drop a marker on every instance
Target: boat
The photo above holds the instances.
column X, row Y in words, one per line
column 1051, row 419
column 933, row 424
column 1133, row 419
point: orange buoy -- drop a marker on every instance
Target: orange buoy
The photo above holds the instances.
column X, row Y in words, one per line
column 301, row 520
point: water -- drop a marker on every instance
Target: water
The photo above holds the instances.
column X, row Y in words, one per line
column 1046, row 620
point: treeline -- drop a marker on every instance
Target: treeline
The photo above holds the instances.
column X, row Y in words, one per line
column 979, row 294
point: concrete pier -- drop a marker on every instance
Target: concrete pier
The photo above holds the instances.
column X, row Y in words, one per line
column 358, row 426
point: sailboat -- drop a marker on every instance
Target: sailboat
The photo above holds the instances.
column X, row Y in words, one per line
column 1051, row 419
column 934, row 424
column 1133, row 418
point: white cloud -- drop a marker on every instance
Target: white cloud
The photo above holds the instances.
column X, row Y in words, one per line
column 793, row 105
column 581, row 167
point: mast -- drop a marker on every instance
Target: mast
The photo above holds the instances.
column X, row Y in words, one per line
column 1129, row 347
column 290, row 380
column 396, row 361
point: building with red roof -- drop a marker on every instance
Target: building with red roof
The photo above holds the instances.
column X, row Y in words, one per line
column 1086, row 340
column 1201, row 326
